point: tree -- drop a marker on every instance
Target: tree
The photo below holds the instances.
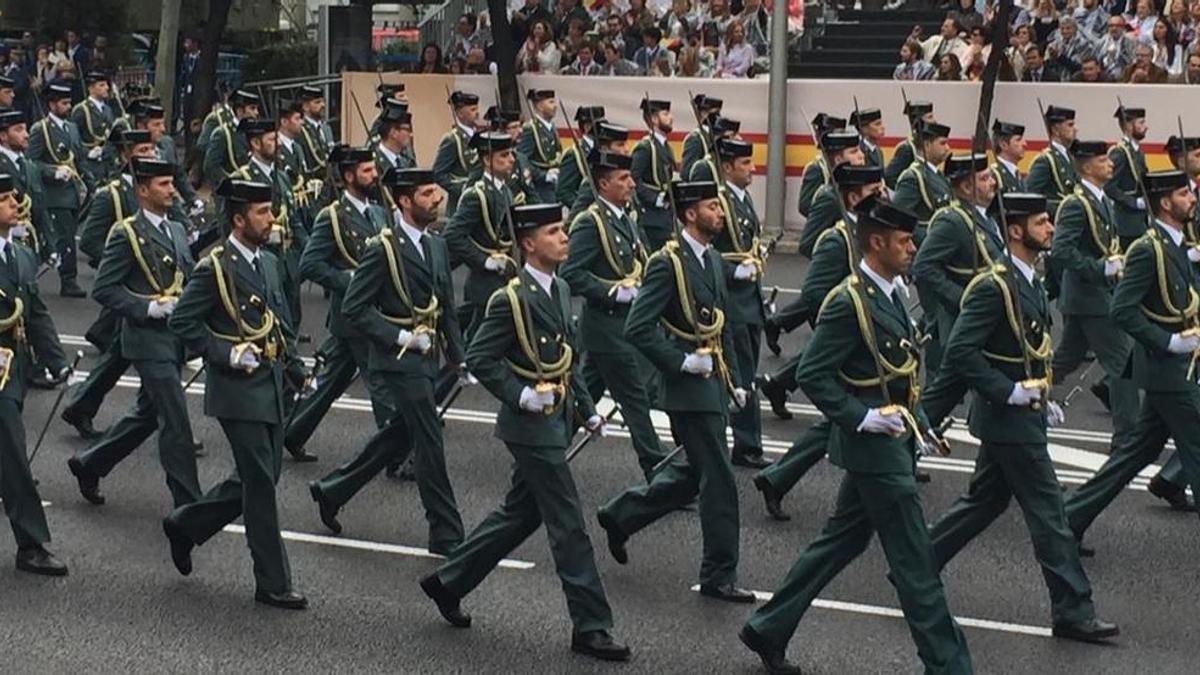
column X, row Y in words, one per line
column 206, row 67
column 505, row 54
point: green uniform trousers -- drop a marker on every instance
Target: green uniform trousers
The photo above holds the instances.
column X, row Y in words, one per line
column 413, row 428
column 343, row 359
column 624, row 374
column 889, row 505
column 542, row 491
column 804, row 454
column 707, row 473
column 65, row 223
column 1112, row 347
column 160, row 407
column 17, row 489
column 1172, row 471
column 786, row 375
column 1004, row 471
column 86, row 398
column 250, row 493
column 1173, row 414
column 747, row 422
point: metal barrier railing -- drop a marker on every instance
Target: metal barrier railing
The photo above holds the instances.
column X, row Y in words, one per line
column 438, row 25
column 273, row 92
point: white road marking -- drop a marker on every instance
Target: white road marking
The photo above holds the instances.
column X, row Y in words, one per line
column 361, row 545
column 895, row 613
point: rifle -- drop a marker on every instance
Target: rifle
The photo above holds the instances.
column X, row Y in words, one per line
column 53, row 409
column 1137, row 174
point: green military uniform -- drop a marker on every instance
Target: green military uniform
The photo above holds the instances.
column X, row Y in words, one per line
column 144, row 261
column 94, row 120
column 456, row 165
column 1053, row 175
column 1012, row 460
column 1007, row 180
column 55, row 144
column 571, row 172
column 339, row 238
column 1155, row 299
column 681, row 308
column 902, row 157
column 823, row 213
column 879, row 492
column 542, row 490
column 873, row 153
column 1129, row 208
column 31, row 195
column 405, row 285
column 653, row 170
column 221, row 115
column 227, row 150
column 540, row 148
column 1084, row 239
column 477, row 231
column 695, row 149
column 316, row 140
column 922, row 189
column 816, row 174
column 249, row 405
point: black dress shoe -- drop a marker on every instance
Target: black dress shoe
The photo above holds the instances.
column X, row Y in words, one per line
column 302, row 455
column 774, row 659
column 1171, row 494
column 446, row 603
column 198, row 447
column 1092, row 630
column 43, row 380
column 772, row 498
column 82, row 423
column 37, row 560
column 771, row 333
column 616, row 538
column 325, row 508
column 776, row 394
column 181, row 546
column 1085, row 551
column 304, row 338
column 727, row 593
column 89, row 483
column 598, row 644
column 749, row 461
column 1100, row 391
column 922, row 476
column 72, row 291
column 408, row 472
column 288, row 599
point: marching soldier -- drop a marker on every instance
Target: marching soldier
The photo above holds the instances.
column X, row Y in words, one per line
column 151, row 116
column 696, row 143
column 339, row 237
column 402, row 299
column 1008, row 144
column 393, row 94
column 395, row 138
column 528, row 363
column 683, row 291
column 840, row 147
column 315, row 131
column 1052, row 173
column 539, row 146
column 94, row 119
column 612, row 139
column 862, row 323
column 917, row 112
column 476, row 233
column 1129, row 165
column 704, row 170
column 456, row 164
column 145, row 263
column 572, row 172
column 1087, row 249
column 111, row 203
column 33, row 224
column 922, row 188
column 653, row 170
column 509, row 122
column 859, row 188
column 816, row 172
column 290, row 134
column 54, row 145
column 221, row 115
column 230, row 313
column 869, row 124
column 1155, row 301
column 605, row 267
column 1010, row 418
column 25, row 327
column 227, row 149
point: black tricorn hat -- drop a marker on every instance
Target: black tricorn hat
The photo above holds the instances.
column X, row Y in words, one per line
column 962, row 166
column 533, row 216
column 402, row 178
column 733, row 148
column 1021, row 204
column 876, row 212
column 144, row 168
column 686, row 194
column 1088, row 149
column 1162, row 182
column 238, row 191
column 848, row 175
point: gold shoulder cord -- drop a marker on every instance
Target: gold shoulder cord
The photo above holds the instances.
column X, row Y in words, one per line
column 1042, row 353
column 161, row 293
column 1049, row 154
column 626, row 278
column 501, row 245
column 458, row 147
column 1177, row 315
column 336, row 228
column 706, row 337
column 537, row 142
column 115, row 193
column 87, row 119
column 1112, row 247
column 67, row 162
column 308, row 140
column 908, row 369
column 825, row 174
column 838, row 229
column 555, row 375
column 14, row 322
column 272, row 347
column 422, row 317
column 740, row 254
column 975, row 232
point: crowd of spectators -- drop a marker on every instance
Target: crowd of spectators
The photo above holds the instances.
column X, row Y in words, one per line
column 33, row 65
column 655, row 38
column 1134, row 41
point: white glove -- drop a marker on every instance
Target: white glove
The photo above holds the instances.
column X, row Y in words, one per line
column 1183, row 344
column 626, row 294
column 17, row 232
column 552, row 176
column 54, row 260
column 739, row 397
column 1141, row 204
column 495, row 264
column 160, row 310
column 95, row 152
column 1021, row 396
column 197, row 207
column 1194, row 254
column 1113, row 267
column 697, row 364
column 875, row 422
column 661, row 202
column 247, row 361
column 467, row 379
column 1055, row 415
column 62, row 173
column 532, row 401
column 310, row 387
column 745, row 271
column 3, row 360
column 415, row 341
column 595, row 424
column 275, row 238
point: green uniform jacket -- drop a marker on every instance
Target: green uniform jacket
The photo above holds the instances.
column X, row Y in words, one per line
column 1129, row 165
column 111, row 203
column 873, row 154
column 94, row 126
column 695, row 148
column 495, row 349
column 374, row 304
column 1142, row 307
column 283, row 203
column 585, row 196
column 604, row 250
column 659, row 302
column 1007, row 181
column 222, row 115
column 28, row 180
column 122, row 284
column 902, row 157
column 829, row 267
column 702, row 170
column 816, row 174
column 455, row 166
column 1052, row 174
column 922, row 190
column 1083, row 237
column 572, row 172
column 18, row 280
column 960, row 243
column 316, row 138
column 49, row 146
column 540, row 148
column 167, row 152
column 653, row 168
column 202, row 321
column 332, row 255
column 822, row 214
column 984, row 350
column 227, row 150
column 479, row 228
column 837, row 351
column 740, row 238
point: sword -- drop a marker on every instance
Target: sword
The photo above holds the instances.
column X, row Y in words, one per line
column 57, row 402
column 580, row 444
column 662, row 463
column 450, row 398
column 318, row 361
column 194, row 377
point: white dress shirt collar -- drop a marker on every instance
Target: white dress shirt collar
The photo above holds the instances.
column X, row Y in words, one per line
column 543, row 280
column 465, row 129
column 887, row 286
column 737, row 192
column 1098, row 193
column 5, row 248
column 1175, row 234
column 286, row 141
column 357, row 203
column 1025, row 269
column 697, row 248
column 494, row 180
column 390, row 156
column 616, row 210
column 10, row 153
column 250, row 256
column 155, row 220
column 661, row 138
column 263, row 166
column 414, row 235
column 1012, row 168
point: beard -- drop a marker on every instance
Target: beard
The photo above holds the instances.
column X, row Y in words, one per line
column 1033, row 244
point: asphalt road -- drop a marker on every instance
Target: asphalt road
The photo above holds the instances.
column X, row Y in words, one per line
column 124, row 608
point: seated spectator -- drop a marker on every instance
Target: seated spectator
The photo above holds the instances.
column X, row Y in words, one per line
column 466, row 38
column 663, row 66
column 1091, row 18
column 1181, row 22
column 1020, row 40
column 477, row 63
column 651, row 51
column 585, row 62
column 680, row 21
column 637, row 20
column 614, row 32
column 568, row 12
column 615, row 63
column 540, row 54
column 691, row 62
column 1044, row 21
column 1143, row 70
column 736, row 57
column 757, row 22
column 1115, row 50
column 967, row 16
column 945, row 42
column 716, row 23
column 1165, row 51
column 1141, row 22
column 1036, row 69
column 949, row 69
column 1068, row 47
column 1191, row 71
column 1091, row 71
column 431, row 60
column 974, row 59
column 912, row 65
